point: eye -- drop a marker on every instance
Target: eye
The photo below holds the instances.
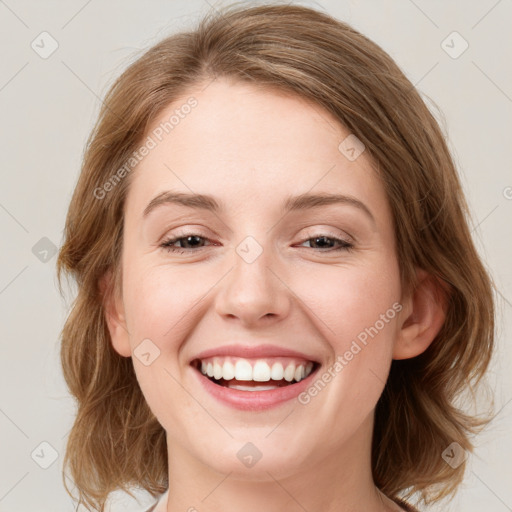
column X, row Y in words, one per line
column 325, row 242
column 188, row 242
column 191, row 242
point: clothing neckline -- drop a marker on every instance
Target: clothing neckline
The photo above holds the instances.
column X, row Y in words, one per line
column 405, row 505
column 161, row 504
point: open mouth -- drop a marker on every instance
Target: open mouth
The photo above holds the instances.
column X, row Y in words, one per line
column 254, row 374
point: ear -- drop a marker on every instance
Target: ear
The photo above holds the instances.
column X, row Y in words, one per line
column 423, row 316
column 114, row 315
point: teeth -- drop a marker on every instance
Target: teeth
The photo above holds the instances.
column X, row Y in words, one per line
column 228, row 371
column 243, row 370
column 258, row 371
column 251, row 388
column 261, row 372
column 277, row 372
column 217, row 370
column 289, row 373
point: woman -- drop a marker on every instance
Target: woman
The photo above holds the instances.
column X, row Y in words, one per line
column 272, row 314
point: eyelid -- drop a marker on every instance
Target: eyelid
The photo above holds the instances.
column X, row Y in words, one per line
column 337, row 233
column 190, row 230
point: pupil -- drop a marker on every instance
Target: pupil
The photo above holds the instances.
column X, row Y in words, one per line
column 196, row 238
column 323, row 238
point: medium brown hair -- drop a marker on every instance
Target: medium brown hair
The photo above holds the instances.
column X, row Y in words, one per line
column 116, row 442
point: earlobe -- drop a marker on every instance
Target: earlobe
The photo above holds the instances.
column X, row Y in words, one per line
column 422, row 317
column 114, row 315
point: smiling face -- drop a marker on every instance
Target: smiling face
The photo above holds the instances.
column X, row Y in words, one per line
column 259, row 271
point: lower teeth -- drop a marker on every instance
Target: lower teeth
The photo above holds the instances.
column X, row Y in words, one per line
column 251, row 388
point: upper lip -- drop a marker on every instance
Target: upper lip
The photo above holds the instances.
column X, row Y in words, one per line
column 252, row 352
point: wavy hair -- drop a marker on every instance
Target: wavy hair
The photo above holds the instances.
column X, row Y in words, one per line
column 116, row 442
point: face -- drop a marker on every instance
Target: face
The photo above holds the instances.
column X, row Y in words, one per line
column 270, row 284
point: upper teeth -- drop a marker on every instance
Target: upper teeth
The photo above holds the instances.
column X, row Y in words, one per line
column 256, row 370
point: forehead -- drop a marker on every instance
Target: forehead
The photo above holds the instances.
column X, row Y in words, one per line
column 240, row 141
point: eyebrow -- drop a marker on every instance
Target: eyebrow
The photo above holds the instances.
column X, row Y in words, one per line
column 292, row 203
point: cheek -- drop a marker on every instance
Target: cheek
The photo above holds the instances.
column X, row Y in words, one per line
column 160, row 304
column 356, row 311
column 159, row 300
column 348, row 300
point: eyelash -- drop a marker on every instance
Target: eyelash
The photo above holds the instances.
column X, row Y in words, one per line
column 167, row 244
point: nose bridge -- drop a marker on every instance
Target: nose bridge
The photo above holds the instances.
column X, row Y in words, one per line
column 252, row 291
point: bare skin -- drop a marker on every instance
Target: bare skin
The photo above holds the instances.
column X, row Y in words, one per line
column 251, row 149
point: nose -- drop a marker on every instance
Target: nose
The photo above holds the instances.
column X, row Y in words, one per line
column 254, row 293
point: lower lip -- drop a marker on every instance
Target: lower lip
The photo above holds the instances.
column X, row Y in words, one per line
column 254, row 400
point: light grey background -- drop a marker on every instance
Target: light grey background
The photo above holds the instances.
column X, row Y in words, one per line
column 48, row 107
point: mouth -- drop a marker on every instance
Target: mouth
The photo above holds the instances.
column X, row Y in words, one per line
column 254, row 374
column 254, row 383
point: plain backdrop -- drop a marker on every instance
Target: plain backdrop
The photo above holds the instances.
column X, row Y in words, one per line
column 48, row 106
